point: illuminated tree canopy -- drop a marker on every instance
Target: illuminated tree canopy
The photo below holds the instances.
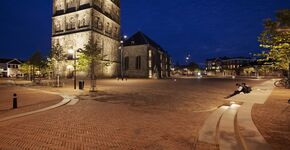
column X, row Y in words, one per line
column 276, row 39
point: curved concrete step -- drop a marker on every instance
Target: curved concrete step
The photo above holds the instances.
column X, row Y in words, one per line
column 249, row 134
column 66, row 99
column 73, row 101
column 227, row 138
column 208, row 132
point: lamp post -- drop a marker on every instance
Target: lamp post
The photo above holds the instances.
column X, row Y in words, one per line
column 74, row 53
column 49, row 60
column 121, row 49
column 187, row 63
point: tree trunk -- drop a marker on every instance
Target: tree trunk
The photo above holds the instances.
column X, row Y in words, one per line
column 57, row 75
column 93, row 80
column 29, row 73
column 33, row 74
column 57, row 80
column 288, row 86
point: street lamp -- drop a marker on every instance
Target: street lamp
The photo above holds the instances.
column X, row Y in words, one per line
column 187, row 63
column 74, row 53
column 123, row 38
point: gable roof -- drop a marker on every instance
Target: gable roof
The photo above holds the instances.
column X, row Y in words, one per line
column 140, row 38
column 10, row 60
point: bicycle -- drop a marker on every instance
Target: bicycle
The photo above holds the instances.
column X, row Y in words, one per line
column 282, row 83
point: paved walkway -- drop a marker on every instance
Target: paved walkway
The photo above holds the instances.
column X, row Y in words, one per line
column 67, row 100
column 63, row 102
column 27, row 98
column 156, row 115
column 231, row 127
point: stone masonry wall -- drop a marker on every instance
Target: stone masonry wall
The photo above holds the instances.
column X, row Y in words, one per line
column 132, row 52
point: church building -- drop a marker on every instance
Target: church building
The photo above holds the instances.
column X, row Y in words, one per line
column 144, row 58
column 74, row 22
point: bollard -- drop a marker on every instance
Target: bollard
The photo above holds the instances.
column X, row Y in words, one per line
column 81, row 85
column 14, row 101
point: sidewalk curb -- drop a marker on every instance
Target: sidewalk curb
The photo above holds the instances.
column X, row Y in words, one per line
column 66, row 100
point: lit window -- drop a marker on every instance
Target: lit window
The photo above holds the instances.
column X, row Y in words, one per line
column 150, row 53
column 150, row 64
column 150, row 74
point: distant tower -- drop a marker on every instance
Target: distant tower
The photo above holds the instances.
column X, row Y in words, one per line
column 74, row 22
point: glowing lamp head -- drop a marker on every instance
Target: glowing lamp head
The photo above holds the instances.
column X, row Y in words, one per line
column 69, row 67
column 70, row 51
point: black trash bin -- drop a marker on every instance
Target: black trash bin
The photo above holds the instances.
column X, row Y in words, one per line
column 81, row 85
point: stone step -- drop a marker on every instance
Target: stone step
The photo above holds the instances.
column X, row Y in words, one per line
column 249, row 134
column 208, row 131
column 227, row 138
column 74, row 100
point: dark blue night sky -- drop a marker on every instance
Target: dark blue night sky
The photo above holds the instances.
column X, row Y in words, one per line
column 205, row 28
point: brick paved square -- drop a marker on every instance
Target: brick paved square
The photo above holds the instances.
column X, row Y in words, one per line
column 137, row 114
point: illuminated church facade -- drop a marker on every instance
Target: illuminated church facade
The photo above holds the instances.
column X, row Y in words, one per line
column 74, row 22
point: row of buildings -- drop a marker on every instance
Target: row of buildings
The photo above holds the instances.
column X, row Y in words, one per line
column 226, row 66
column 238, row 66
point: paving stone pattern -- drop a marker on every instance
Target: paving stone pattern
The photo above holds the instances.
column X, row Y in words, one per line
column 135, row 115
column 95, row 125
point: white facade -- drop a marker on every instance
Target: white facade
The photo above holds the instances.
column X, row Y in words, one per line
column 10, row 68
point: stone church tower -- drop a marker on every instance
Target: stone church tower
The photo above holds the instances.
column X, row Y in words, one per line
column 74, row 22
